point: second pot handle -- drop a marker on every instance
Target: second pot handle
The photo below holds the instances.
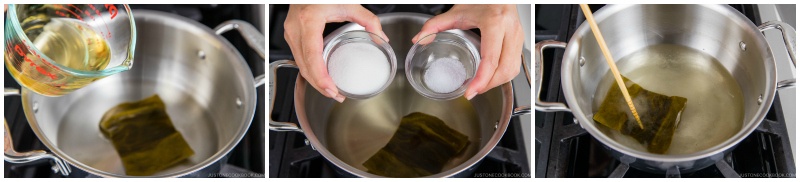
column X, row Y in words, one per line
column 789, row 39
column 523, row 110
column 12, row 156
column 542, row 105
column 251, row 35
column 254, row 38
column 273, row 68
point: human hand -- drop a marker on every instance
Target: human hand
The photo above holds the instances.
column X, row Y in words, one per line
column 303, row 31
column 501, row 41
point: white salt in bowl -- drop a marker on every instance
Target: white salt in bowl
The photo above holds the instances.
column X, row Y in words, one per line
column 361, row 64
column 441, row 65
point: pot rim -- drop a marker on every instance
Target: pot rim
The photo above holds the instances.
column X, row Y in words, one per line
column 222, row 152
column 746, row 129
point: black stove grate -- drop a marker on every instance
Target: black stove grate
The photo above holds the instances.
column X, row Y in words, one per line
column 290, row 156
column 246, row 157
column 564, row 149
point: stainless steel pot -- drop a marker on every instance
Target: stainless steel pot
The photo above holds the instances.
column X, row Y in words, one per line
column 717, row 30
column 205, row 83
column 347, row 134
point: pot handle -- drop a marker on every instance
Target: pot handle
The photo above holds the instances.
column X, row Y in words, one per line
column 542, row 105
column 523, row 110
column 789, row 38
column 12, row 156
column 254, row 38
column 273, row 68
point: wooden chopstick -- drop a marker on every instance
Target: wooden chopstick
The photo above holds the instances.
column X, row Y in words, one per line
column 610, row 60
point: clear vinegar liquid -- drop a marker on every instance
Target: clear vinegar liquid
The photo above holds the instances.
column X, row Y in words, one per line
column 714, row 110
column 68, row 42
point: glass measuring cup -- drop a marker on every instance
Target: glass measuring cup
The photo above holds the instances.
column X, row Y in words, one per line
column 54, row 49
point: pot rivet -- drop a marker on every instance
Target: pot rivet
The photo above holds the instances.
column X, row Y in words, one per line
column 309, row 144
column 743, row 46
column 582, row 61
column 35, row 107
column 201, row 54
column 495, row 124
column 760, row 99
column 238, row 103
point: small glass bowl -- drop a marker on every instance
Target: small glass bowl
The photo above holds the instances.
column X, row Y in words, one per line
column 361, row 36
column 432, row 48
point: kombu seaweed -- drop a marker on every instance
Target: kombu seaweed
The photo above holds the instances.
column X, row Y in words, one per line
column 420, row 147
column 144, row 137
column 660, row 118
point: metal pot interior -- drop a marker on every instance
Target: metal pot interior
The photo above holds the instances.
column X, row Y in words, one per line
column 210, row 99
column 715, row 30
column 349, row 133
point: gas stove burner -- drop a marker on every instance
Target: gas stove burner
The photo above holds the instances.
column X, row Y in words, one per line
column 564, row 149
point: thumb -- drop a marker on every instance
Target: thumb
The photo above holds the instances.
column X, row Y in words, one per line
column 365, row 18
column 442, row 22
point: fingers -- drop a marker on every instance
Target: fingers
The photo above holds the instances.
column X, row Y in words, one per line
column 491, row 45
column 510, row 57
column 510, row 61
column 303, row 33
column 450, row 20
column 365, row 18
column 304, row 26
column 315, row 67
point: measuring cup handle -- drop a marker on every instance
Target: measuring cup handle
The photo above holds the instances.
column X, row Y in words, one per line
column 12, row 156
column 273, row 68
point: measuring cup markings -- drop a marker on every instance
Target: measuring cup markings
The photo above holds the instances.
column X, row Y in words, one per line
column 24, row 42
column 87, row 13
column 28, row 59
column 70, row 12
column 62, row 80
column 112, row 10
column 40, row 57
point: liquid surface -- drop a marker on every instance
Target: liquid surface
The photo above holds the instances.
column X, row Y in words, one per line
column 67, row 42
column 714, row 111
column 660, row 115
column 420, row 147
column 79, row 136
column 357, row 129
